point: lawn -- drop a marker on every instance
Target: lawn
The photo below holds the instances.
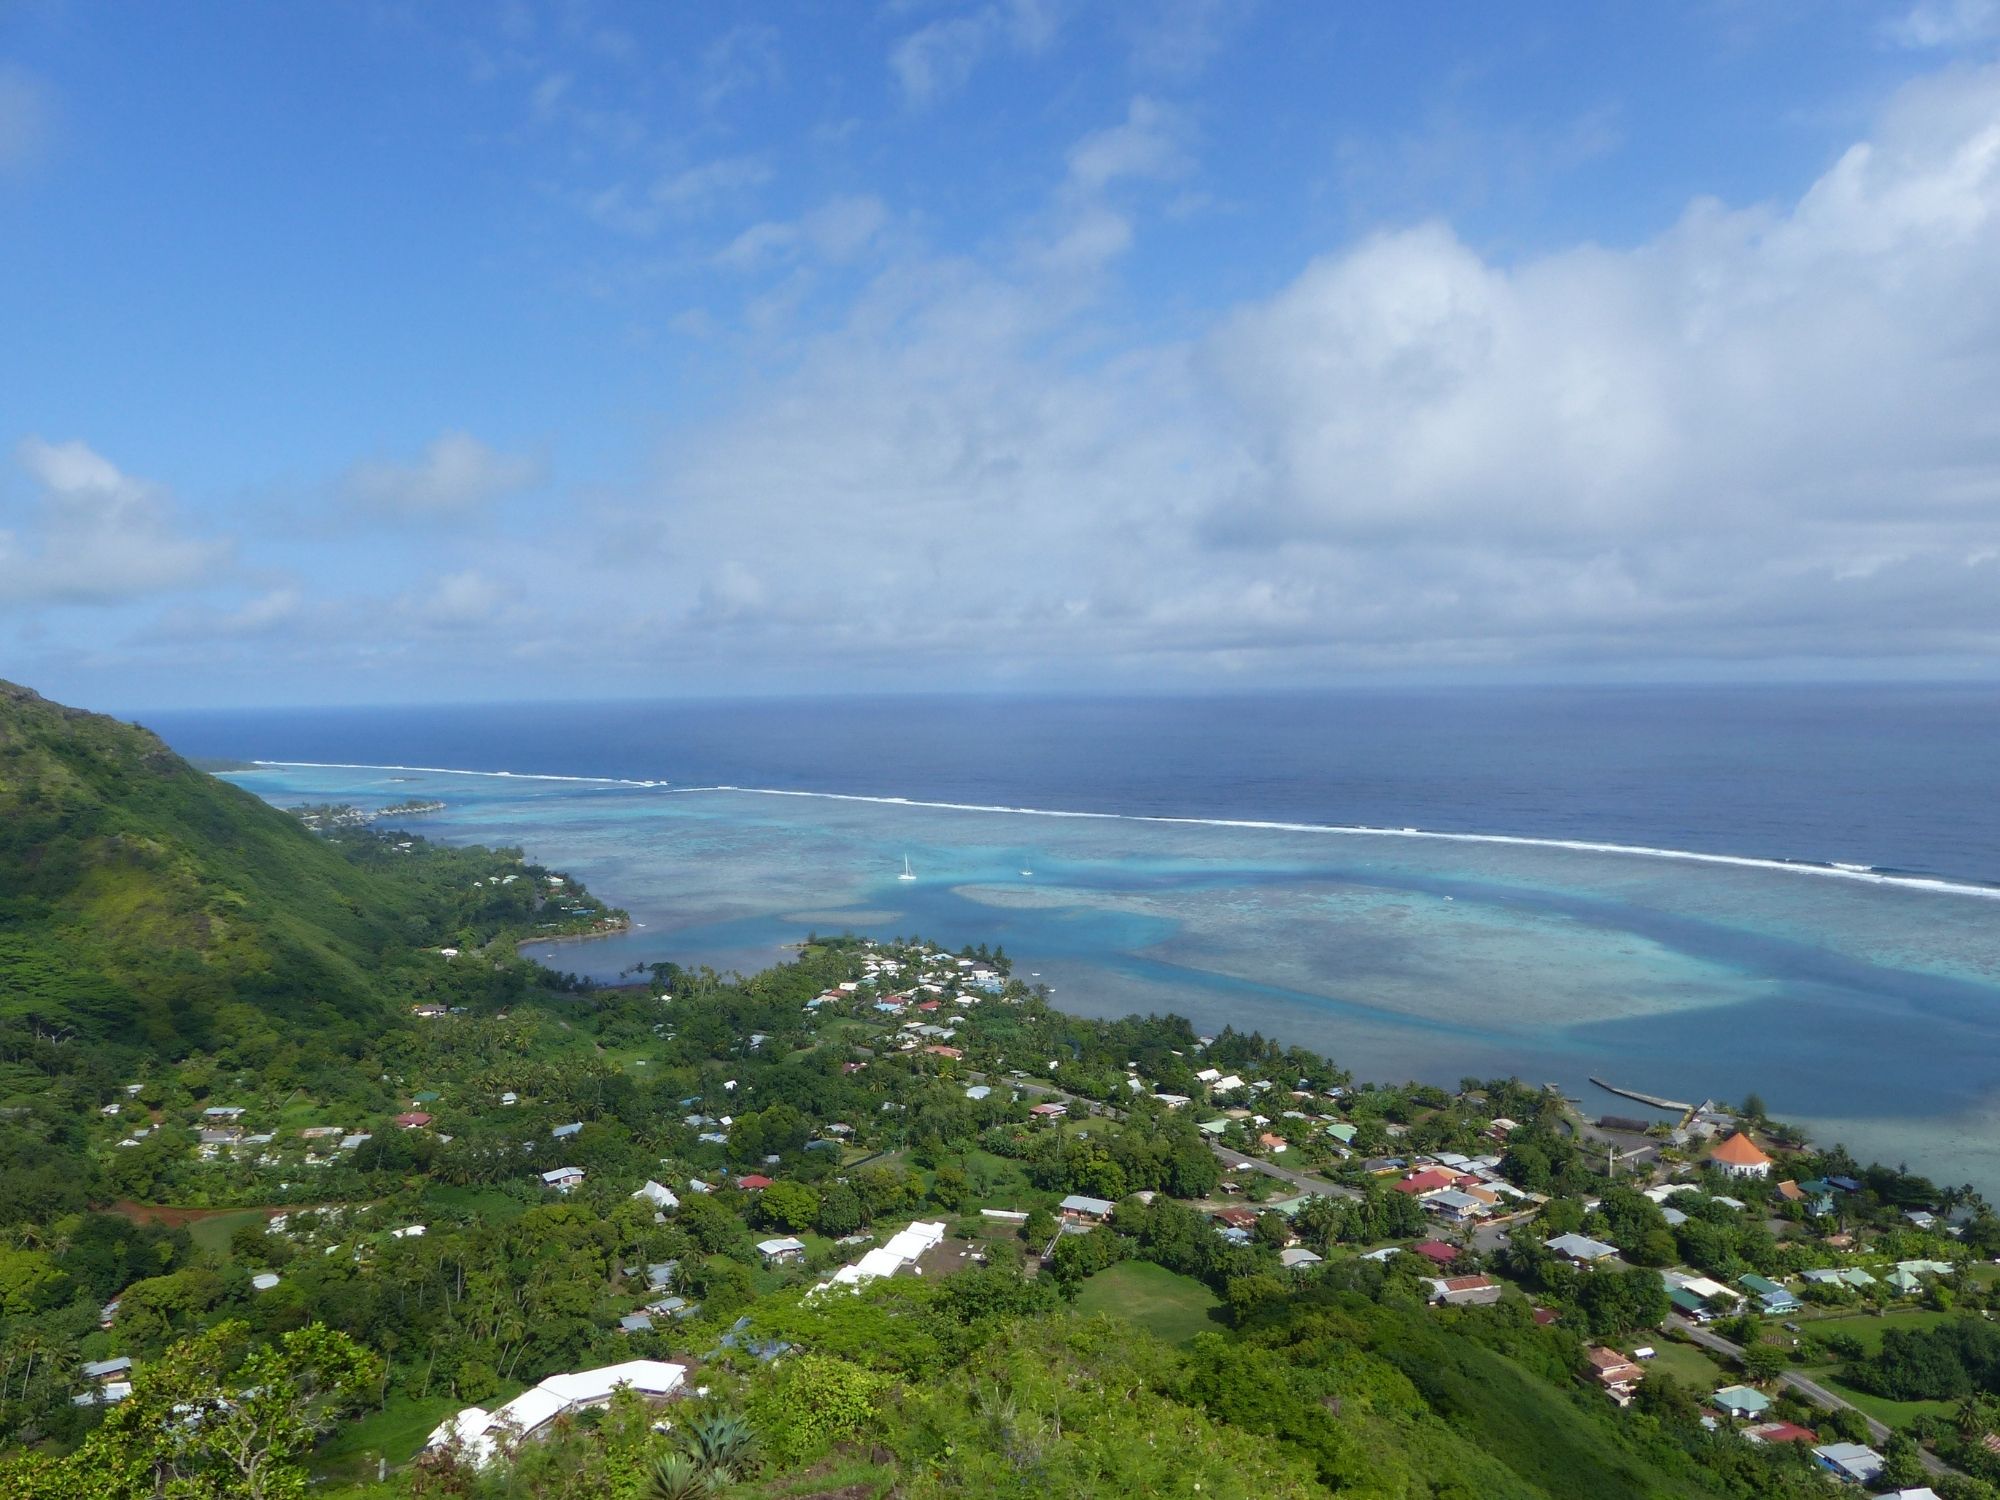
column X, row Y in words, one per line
column 213, row 1232
column 1164, row 1303
column 1869, row 1329
column 997, row 1181
column 394, row 1433
column 1896, row 1413
column 488, row 1204
column 1687, row 1364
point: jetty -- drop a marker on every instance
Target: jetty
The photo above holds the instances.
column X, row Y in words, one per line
column 1653, row 1099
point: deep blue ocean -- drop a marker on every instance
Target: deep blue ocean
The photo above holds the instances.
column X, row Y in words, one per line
column 1903, row 777
column 1869, row 1010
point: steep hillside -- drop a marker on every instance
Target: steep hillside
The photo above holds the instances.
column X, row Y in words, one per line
column 145, row 902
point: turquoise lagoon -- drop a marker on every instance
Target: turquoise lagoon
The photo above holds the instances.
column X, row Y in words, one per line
column 1868, row 1011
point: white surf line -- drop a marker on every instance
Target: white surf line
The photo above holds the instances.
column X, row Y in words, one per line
column 1837, row 871
column 1578, row 846
column 349, row 765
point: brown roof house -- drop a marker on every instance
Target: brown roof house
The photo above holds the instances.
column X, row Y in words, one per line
column 1616, row 1375
column 1740, row 1156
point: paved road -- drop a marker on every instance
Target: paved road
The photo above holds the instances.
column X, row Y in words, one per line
column 1300, row 1180
column 1812, row 1390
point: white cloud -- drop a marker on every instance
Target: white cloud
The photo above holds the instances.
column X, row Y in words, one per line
column 684, row 194
column 1088, row 239
column 1080, row 235
column 98, row 536
column 743, row 58
column 837, row 231
column 1179, row 37
column 547, row 96
column 1947, row 23
column 1768, row 433
column 841, row 228
column 1148, row 144
column 275, row 612
column 25, row 117
column 465, row 600
column 939, row 58
column 455, row 474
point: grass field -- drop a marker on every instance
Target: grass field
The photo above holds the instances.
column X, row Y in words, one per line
column 1895, row 1413
column 996, row 1181
column 1687, row 1364
column 1166, row 1304
column 213, row 1232
column 394, row 1433
column 489, row 1204
column 1869, row 1329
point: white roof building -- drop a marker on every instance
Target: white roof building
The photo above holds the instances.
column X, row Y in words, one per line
column 480, row 1434
column 658, row 1195
column 905, row 1248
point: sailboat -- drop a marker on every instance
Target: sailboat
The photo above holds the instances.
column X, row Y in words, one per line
column 908, row 873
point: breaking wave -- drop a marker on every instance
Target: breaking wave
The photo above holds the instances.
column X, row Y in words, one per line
column 1864, row 874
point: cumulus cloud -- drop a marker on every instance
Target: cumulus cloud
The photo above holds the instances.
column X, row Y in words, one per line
column 939, row 58
column 743, row 58
column 97, row 536
column 837, row 231
column 684, row 194
column 455, row 475
column 465, row 600
column 1149, row 143
column 1768, row 433
column 25, row 113
column 275, row 612
column 1947, row 23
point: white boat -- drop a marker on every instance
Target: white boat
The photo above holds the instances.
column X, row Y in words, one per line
column 1027, row 872
column 908, row 873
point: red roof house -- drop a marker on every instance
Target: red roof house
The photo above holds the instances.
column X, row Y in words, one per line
column 416, row 1119
column 1780, row 1432
column 751, row 1182
column 1430, row 1180
column 1436, row 1250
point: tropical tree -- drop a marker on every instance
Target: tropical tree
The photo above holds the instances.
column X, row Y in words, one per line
column 212, row 1418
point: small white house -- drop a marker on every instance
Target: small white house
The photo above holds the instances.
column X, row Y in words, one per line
column 660, row 1196
column 562, row 1179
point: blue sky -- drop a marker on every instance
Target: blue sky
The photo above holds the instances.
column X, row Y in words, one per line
column 380, row 353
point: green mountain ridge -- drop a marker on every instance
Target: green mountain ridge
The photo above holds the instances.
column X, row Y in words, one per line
column 145, row 902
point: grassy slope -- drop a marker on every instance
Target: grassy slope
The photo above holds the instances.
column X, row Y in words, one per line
column 142, row 901
column 1167, row 1305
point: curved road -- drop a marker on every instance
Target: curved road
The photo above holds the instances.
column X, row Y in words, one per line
column 1811, row 1389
